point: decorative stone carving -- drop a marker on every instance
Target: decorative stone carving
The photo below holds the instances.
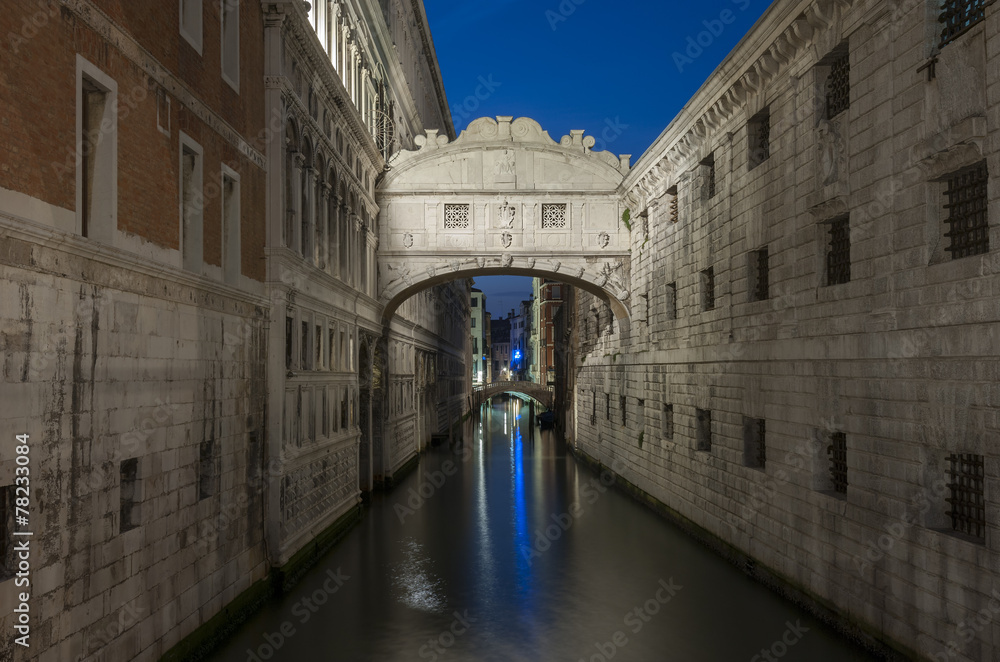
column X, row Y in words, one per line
column 506, row 260
column 408, row 240
column 506, row 214
column 395, row 273
column 603, row 239
column 832, row 152
column 507, row 239
column 613, row 275
column 506, row 165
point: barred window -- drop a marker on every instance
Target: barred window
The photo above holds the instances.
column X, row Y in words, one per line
column 838, row 252
column 623, row 404
column 668, row 421
column 754, row 454
column 456, row 217
column 709, row 164
column 759, row 131
column 838, row 87
column 837, row 450
column 958, row 16
column 708, row 289
column 675, row 214
column 968, row 222
column 758, row 274
column 967, row 502
column 553, row 216
column 672, row 301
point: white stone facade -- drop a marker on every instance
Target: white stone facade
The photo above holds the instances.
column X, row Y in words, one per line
column 897, row 356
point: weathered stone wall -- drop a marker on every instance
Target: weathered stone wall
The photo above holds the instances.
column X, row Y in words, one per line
column 111, row 365
column 902, row 359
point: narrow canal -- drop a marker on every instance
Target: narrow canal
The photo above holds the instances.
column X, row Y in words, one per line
column 507, row 549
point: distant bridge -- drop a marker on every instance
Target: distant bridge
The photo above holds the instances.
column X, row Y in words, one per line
column 482, row 393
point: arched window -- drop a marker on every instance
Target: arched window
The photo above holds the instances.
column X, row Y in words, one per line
column 289, row 206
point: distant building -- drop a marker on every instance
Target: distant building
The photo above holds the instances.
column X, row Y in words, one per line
column 548, row 302
column 500, row 348
column 480, row 347
column 487, row 359
column 520, row 341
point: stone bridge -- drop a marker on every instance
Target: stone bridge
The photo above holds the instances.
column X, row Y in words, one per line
column 484, row 392
column 504, row 199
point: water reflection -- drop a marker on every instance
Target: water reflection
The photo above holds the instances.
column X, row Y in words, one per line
column 518, row 553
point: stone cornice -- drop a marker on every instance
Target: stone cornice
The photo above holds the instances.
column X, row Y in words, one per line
column 784, row 31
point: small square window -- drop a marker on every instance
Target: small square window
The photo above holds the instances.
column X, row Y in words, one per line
column 456, row 217
column 553, row 216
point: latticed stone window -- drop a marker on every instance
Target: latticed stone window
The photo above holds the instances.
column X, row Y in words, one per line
column 958, row 16
column 675, row 214
column 754, row 454
column 553, row 216
column 968, row 223
column 837, row 450
column 967, row 502
column 456, row 217
column 759, row 275
column 759, row 131
column 838, row 87
column 708, row 289
column 838, row 252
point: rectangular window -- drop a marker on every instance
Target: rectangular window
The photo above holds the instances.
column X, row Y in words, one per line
column 330, row 350
column 326, row 412
column 672, row 301
column 304, row 347
column 837, row 450
column 208, row 474
column 754, row 454
column 708, row 289
column 709, row 170
column 473, row 321
column 231, row 255
column 231, row 43
column 593, row 407
column 456, row 217
column 838, row 252
column 289, row 334
column 759, row 131
column 667, row 421
column 967, row 501
column 8, row 559
column 553, row 216
column 318, row 341
column 192, row 205
column 475, row 304
column 958, row 16
column 623, row 405
column 968, row 221
column 128, row 494
column 757, row 274
column 97, row 145
column 838, row 86
column 607, row 406
column 703, row 429
column 191, row 17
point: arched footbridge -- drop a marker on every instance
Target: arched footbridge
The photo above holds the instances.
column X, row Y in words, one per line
column 483, row 392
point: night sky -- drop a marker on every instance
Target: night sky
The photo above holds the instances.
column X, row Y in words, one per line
column 619, row 70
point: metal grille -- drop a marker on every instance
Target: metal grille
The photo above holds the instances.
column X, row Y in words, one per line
column 958, row 16
column 760, row 286
column 967, row 219
column 456, row 217
column 838, row 87
column 553, row 216
column 967, row 501
column 838, row 256
column 837, row 450
column 675, row 214
column 708, row 289
column 753, row 440
column 761, row 139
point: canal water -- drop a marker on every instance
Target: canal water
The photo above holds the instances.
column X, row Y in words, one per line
column 507, row 549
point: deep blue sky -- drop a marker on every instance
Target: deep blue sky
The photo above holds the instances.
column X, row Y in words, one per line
column 619, row 70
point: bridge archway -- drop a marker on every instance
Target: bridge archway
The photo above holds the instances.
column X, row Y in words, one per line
column 504, row 199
